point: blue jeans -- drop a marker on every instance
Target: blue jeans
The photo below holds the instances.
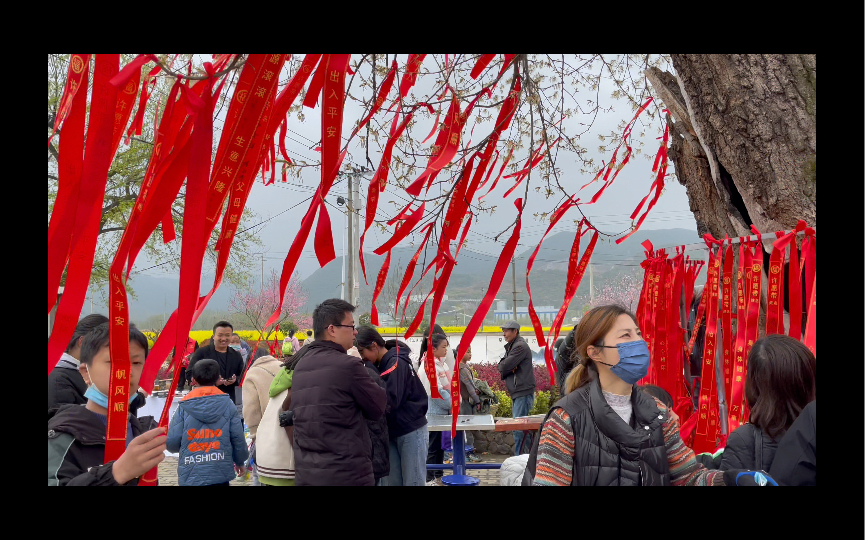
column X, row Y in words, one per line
column 408, row 459
column 521, row 407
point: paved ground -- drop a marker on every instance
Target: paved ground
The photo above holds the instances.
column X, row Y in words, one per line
column 488, row 477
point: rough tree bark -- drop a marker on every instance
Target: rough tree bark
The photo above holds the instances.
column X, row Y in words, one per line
column 744, row 142
column 745, row 138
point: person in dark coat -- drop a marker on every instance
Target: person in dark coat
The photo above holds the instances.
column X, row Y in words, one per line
column 519, row 376
column 795, row 461
column 378, row 435
column 230, row 361
column 65, row 383
column 406, row 406
column 76, row 433
column 332, row 396
column 781, row 381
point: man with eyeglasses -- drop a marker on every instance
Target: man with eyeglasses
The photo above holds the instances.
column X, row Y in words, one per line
column 331, row 396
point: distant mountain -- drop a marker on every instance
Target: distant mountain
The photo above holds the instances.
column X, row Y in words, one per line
column 158, row 295
column 472, row 272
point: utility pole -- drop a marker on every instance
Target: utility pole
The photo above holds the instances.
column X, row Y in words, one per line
column 514, row 276
column 353, row 208
column 355, row 254
column 344, row 225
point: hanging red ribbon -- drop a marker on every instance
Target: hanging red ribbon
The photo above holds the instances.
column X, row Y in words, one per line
column 727, row 320
column 496, row 181
column 409, row 224
column 412, row 67
column 79, row 66
column 331, row 135
column 536, row 322
column 575, row 275
column 409, row 270
column 811, row 327
column 383, row 91
column 379, row 285
column 69, row 165
column 775, row 290
column 495, row 284
column 379, row 180
column 483, row 61
column 94, row 176
column 706, row 432
column 737, row 377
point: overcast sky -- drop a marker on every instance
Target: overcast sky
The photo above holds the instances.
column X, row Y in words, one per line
column 610, row 214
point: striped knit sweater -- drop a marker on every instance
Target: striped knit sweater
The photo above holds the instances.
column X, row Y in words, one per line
column 555, row 463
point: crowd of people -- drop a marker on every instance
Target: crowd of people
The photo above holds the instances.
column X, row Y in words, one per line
column 352, row 408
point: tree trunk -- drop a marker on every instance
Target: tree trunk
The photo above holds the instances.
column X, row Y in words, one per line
column 745, row 139
column 744, row 142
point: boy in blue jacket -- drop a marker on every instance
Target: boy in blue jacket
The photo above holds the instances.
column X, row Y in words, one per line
column 207, row 432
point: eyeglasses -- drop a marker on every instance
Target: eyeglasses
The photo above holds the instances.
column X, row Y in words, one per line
column 345, row 325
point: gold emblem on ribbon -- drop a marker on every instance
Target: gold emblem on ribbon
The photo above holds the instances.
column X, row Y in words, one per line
column 77, row 64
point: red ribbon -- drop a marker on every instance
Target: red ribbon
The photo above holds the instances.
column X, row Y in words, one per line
column 379, row 180
column 97, row 159
column 536, row 323
column 496, row 181
column 734, row 403
column 79, row 66
column 409, row 270
column 258, row 66
column 658, row 185
column 811, row 326
column 403, row 231
column 499, row 272
column 752, row 296
column 575, row 275
column 379, row 285
column 775, row 290
column 412, row 66
column 69, row 165
column 483, row 61
column 383, row 91
column 706, row 431
column 331, row 134
column 776, row 283
column 727, row 320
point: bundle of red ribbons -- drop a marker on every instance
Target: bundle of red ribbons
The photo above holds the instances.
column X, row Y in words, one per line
column 663, row 314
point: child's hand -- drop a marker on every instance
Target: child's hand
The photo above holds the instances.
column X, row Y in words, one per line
column 143, row 453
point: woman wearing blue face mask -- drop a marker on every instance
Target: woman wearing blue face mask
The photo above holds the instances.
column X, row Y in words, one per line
column 604, row 431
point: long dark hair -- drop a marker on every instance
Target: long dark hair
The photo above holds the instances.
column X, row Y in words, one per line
column 366, row 336
column 782, row 379
column 423, row 346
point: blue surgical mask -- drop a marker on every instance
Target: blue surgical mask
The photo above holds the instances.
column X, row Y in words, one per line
column 633, row 361
column 235, row 347
column 96, row 396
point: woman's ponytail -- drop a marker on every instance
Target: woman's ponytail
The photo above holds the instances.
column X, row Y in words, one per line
column 578, row 377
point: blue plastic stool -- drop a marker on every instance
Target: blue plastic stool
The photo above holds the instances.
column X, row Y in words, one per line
column 460, row 480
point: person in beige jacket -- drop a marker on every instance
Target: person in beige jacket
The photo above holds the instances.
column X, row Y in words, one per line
column 255, row 395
